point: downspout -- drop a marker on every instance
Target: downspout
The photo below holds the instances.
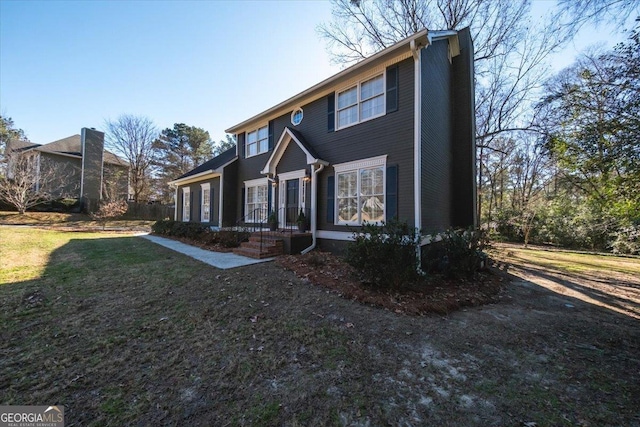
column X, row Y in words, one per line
column 221, row 198
column 314, row 204
column 417, row 148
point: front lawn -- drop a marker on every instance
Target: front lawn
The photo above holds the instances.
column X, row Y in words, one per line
column 123, row 332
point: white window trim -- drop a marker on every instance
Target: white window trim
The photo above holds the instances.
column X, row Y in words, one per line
column 186, row 201
column 358, row 84
column 205, row 188
column 357, row 166
column 253, row 183
column 246, row 141
column 293, row 113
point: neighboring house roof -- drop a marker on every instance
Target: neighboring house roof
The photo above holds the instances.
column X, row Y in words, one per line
column 71, row 146
column 212, row 165
column 18, row 145
column 404, row 47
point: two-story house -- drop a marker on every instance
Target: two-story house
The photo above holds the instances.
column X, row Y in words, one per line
column 391, row 136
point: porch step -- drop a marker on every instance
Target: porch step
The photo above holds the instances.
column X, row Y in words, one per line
column 259, row 247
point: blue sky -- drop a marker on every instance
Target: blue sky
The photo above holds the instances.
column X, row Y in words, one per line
column 65, row 65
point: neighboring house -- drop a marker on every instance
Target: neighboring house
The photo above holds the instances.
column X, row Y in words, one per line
column 78, row 166
column 392, row 136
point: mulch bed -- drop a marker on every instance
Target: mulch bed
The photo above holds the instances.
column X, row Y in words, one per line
column 433, row 295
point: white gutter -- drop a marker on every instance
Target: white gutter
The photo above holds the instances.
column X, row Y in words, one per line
column 314, row 204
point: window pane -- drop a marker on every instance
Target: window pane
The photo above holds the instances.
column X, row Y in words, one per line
column 347, row 184
column 348, row 116
column 264, row 146
column 348, row 209
column 372, row 208
column 348, row 97
column 251, row 137
column 372, row 107
column 253, row 149
column 372, row 87
column 262, row 193
column 263, row 133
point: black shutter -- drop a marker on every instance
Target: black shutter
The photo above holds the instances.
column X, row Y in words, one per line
column 331, row 112
column 191, row 205
column 269, row 198
column 241, row 138
column 391, row 204
column 211, row 205
column 242, row 213
column 331, row 199
column 392, row 89
column 271, row 142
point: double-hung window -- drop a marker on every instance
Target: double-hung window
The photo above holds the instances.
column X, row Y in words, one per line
column 360, row 191
column 256, row 200
column 186, row 204
column 205, row 209
column 361, row 102
column 257, row 141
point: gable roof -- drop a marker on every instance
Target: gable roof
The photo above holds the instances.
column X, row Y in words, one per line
column 287, row 136
column 211, row 166
column 399, row 51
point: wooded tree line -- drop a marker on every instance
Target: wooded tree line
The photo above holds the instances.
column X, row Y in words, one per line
column 557, row 154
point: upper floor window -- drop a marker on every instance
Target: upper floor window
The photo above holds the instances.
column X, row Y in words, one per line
column 361, row 102
column 257, row 142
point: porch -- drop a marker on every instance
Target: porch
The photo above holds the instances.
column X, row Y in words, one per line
column 269, row 238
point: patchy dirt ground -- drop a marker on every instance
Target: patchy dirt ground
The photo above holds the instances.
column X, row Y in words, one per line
column 165, row 340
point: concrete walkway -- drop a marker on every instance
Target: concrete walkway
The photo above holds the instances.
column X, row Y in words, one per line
column 217, row 259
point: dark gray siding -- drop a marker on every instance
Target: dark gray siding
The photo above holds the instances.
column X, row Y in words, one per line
column 292, row 159
column 230, row 198
column 464, row 147
column 436, row 137
column 391, row 134
column 196, row 197
column 215, row 201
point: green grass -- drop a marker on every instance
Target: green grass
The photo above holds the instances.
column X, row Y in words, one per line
column 124, row 332
column 571, row 262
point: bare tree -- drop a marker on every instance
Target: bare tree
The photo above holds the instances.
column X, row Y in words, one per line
column 132, row 138
column 576, row 13
column 509, row 57
column 31, row 180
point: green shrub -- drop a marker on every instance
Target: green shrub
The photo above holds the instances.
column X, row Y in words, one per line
column 200, row 233
column 458, row 253
column 627, row 241
column 385, row 254
column 232, row 238
column 162, row 227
